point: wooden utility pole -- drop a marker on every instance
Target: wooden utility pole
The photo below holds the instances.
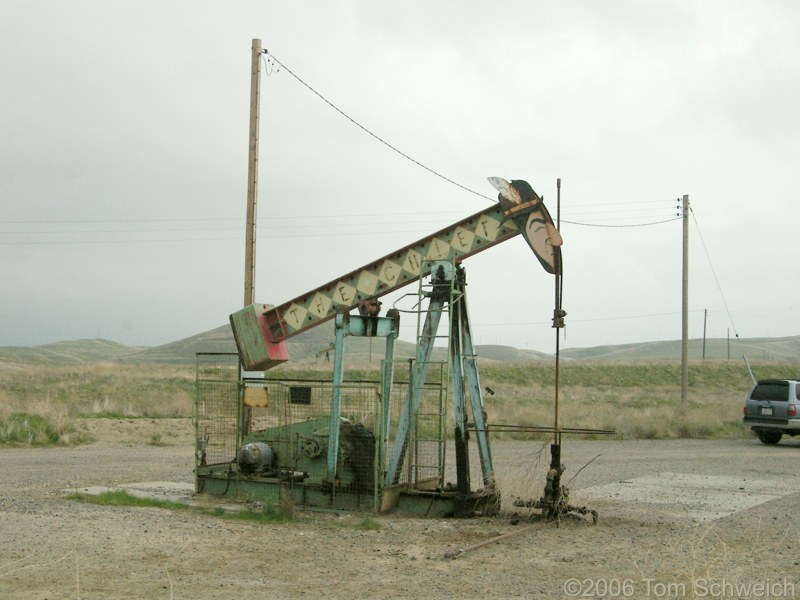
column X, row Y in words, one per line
column 705, row 321
column 252, row 177
column 685, row 306
column 729, row 343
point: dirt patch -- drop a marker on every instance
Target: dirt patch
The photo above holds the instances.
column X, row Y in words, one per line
column 138, row 431
column 56, row 548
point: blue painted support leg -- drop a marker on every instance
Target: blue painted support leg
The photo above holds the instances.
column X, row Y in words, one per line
column 475, row 392
column 411, row 404
column 341, row 325
column 386, row 395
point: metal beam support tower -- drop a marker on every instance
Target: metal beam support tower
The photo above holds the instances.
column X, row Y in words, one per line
column 448, row 294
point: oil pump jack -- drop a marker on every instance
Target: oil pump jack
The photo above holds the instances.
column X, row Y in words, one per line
column 328, row 447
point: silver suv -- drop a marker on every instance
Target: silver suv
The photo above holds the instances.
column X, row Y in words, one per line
column 772, row 408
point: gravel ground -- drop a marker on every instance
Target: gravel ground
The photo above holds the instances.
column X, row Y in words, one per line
column 678, row 519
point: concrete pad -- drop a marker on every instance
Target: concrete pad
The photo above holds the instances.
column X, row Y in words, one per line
column 172, row 491
column 690, row 496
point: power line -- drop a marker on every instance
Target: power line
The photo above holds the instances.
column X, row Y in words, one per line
column 269, row 71
column 267, row 227
column 358, row 215
column 619, row 226
column 591, row 320
column 270, row 232
column 201, row 219
column 356, row 219
column 109, row 231
column 593, row 204
column 645, row 211
column 89, row 242
column 377, row 137
column 205, row 239
column 714, row 272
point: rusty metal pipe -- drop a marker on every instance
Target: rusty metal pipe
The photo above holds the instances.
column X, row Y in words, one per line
column 461, row 551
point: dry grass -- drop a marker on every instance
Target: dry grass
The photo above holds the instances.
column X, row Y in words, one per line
column 658, row 416
column 38, row 405
column 525, row 478
column 638, row 400
column 100, row 390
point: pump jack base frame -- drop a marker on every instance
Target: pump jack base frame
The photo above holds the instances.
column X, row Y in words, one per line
column 438, row 503
column 398, row 498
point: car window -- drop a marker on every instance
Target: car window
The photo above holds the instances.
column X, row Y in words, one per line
column 774, row 390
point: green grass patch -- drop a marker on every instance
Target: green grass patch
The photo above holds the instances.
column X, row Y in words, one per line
column 123, row 498
column 25, row 429
column 111, row 415
column 28, row 429
column 368, row 523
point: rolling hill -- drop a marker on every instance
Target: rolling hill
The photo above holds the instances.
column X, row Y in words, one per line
column 311, row 347
column 67, row 352
column 766, row 349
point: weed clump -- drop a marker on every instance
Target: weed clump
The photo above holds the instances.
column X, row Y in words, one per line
column 23, row 429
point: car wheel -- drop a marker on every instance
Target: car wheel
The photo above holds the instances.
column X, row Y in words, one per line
column 769, row 437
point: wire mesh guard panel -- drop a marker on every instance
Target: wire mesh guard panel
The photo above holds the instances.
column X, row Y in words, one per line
column 297, row 416
column 216, row 407
column 294, row 401
column 424, row 458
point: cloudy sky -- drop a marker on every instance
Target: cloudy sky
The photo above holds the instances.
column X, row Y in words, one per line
column 123, row 164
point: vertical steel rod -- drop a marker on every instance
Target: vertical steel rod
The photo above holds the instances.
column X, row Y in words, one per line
column 556, row 435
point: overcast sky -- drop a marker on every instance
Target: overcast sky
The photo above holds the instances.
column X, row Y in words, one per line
column 123, row 164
